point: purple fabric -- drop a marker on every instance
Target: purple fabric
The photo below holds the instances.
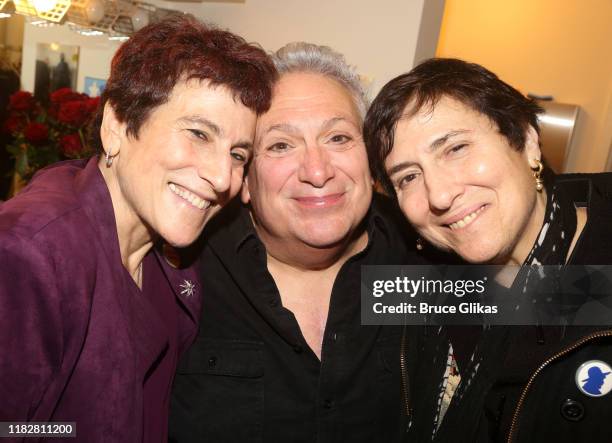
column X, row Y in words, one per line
column 76, row 345
column 158, row 292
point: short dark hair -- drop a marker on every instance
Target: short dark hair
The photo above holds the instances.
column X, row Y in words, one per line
column 471, row 84
column 147, row 67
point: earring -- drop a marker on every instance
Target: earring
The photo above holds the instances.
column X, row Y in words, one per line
column 109, row 159
column 419, row 244
column 537, row 173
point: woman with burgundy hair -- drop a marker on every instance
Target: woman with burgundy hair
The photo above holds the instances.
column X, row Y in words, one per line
column 94, row 311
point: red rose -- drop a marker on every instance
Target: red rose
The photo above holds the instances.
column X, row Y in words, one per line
column 64, row 95
column 36, row 133
column 71, row 145
column 12, row 125
column 92, row 104
column 73, row 113
column 22, row 101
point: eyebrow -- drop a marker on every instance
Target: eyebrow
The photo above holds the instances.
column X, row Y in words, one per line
column 440, row 141
column 332, row 121
column 432, row 147
column 292, row 129
column 399, row 167
column 199, row 120
column 244, row 144
column 282, row 127
column 215, row 129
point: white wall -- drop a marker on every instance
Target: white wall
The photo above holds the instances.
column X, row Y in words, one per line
column 379, row 37
column 94, row 55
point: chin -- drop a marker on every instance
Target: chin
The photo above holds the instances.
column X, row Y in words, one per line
column 181, row 239
column 479, row 256
column 178, row 243
column 324, row 239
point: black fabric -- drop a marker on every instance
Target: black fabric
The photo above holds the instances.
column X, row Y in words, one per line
column 552, row 242
column 506, row 358
column 555, row 237
column 464, row 340
column 251, row 377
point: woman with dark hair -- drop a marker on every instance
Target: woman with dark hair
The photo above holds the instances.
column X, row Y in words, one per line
column 95, row 311
column 459, row 149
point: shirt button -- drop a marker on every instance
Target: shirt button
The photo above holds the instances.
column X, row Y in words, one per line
column 212, row 362
column 327, row 404
column 572, row 410
column 298, row 349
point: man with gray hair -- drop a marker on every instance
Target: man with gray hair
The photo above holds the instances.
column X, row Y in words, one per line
column 281, row 354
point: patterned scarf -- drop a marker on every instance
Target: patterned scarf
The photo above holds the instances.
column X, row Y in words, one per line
column 553, row 241
column 550, row 248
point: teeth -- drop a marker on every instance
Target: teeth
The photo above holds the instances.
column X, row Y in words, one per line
column 466, row 220
column 190, row 197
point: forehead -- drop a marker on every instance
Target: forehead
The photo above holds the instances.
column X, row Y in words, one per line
column 195, row 100
column 419, row 133
column 307, row 98
column 199, row 93
column 429, row 122
column 446, row 110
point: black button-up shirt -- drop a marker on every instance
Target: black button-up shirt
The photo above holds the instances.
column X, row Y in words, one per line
column 251, row 377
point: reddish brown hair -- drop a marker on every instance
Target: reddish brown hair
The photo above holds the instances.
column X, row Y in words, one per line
column 146, row 68
column 471, row 84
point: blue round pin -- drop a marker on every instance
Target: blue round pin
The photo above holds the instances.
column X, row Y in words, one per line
column 594, row 378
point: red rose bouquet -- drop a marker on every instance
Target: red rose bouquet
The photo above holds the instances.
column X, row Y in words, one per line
column 44, row 135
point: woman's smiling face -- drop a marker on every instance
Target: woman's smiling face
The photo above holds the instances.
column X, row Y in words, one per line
column 186, row 163
column 463, row 186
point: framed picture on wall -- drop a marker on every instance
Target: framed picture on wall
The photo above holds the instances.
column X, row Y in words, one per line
column 56, row 68
column 94, row 86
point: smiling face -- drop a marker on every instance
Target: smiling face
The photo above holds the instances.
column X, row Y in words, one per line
column 186, row 163
column 463, row 187
column 309, row 182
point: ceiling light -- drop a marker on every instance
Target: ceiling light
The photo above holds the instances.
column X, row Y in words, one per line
column 50, row 10
column 44, row 5
column 119, row 38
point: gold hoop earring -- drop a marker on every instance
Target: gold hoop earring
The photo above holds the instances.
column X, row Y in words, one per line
column 537, row 173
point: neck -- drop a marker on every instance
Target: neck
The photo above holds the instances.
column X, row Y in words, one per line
column 135, row 239
column 530, row 232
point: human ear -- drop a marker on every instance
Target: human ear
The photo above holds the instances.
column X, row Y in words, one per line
column 532, row 147
column 245, row 195
column 111, row 131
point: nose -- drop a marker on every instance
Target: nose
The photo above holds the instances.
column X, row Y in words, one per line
column 315, row 167
column 442, row 190
column 216, row 169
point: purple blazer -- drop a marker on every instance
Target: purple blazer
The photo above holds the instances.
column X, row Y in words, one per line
column 73, row 345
